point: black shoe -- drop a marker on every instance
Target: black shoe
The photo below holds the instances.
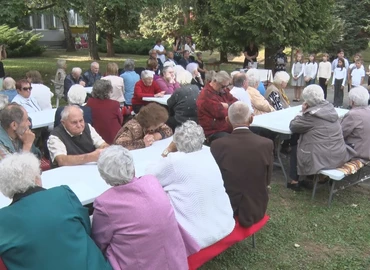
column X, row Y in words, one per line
column 306, row 184
column 294, row 187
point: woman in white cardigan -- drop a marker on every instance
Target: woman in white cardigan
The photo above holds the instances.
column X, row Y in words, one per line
column 193, row 182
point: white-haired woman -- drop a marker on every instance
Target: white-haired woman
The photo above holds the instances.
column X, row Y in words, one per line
column 134, row 223
column 9, row 88
column 197, row 79
column 167, row 82
column 76, row 96
column 197, row 193
column 321, row 144
column 71, row 79
column 356, row 124
column 275, row 92
column 53, row 225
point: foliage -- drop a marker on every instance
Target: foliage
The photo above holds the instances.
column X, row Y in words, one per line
column 20, row 43
column 139, row 46
column 12, row 11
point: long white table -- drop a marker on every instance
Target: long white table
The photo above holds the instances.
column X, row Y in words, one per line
column 42, row 118
column 265, row 74
column 88, row 90
column 160, row 100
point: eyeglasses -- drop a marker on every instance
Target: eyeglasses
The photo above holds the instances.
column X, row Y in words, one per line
column 224, row 86
column 26, row 88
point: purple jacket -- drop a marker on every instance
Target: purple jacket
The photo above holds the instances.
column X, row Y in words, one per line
column 166, row 86
column 136, row 228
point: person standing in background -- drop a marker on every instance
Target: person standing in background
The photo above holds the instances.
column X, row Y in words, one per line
column 280, row 60
column 310, row 70
column 161, row 53
column 2, row 71
column 251, row 54
column 297, row 75
column 190, row 47
column 324, row 73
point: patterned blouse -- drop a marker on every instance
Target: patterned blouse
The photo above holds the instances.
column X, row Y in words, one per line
column 131, row 135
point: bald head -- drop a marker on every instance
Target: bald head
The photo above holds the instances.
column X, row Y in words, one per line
column 72, row 119
column 239, row 114
column 240, row 80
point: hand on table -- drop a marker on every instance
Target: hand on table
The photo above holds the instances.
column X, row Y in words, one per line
column 96, row 154
column 171, row 148
column 160, row 94
column 148, row 140
column 82, row 83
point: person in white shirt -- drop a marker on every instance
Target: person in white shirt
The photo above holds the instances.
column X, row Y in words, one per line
column 352, row 66
column 339, row 81
column 190, row 47
column 118, row 87
column 334, row 64
column 239, row 91
column 324, row 73
column 24, row 98
column 40, row 92
column 310, row 70
column 357, row 74
column 161, row 51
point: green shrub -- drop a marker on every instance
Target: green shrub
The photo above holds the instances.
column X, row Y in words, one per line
column 129, row 46
column 20, row 43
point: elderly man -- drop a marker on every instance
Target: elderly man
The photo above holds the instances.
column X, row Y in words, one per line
column 246, row 161
column 167, row 82
column 356, row 124
column 15, row 134
column 72, row 79
column 73, row 142
column 239, row 91
column 213, row 103
column 92, row 75
column 186, row 60
column 24, row 98
column 170, row 57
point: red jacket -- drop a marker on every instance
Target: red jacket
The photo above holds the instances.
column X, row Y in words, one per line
column 211, row 113
column 141, row 90
column 107, row 117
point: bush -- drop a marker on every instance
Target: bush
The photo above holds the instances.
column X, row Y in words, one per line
column 20, row 43
column 129, row 46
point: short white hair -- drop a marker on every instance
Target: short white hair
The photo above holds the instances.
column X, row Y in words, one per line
column 239, row 113
column 19, row 172
column 253, row 77
column 116, row 165
column 61, row 63
column 222, row 76
column 232, row 74
column 3, row 101
column 192, row 67
column 359, row 96
column 76, row 70
column 280, row 77
column 182, row 76
column 147, row 74
column 169, row 64
column 77, row 94
column 94, row 64
column 8, row 83
column 313, row 95
column 67, row 110
column 189, row 137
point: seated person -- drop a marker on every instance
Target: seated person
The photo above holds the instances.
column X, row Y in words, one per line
column 246, row 162
column 24, row 98
column 208, row 77
column 15, row 133
column 321, row 144
column 202, row 70
column 3, row 101
column 106, row 113
column 197, row 193
column 197, row 79
column 73, row 142
column 259, row 103
column 145, row 128
column 92, row 75
column 275, row 93
column 9, row 88
column 153, row 65
column 123, row 226
column 76, row 96
column 185, row 60
column 146, row 87
column 167, row 82
column 182, row 104
column 356, row 125
column 43, row 228
column 130, row 78
column 118, row 87
column 40, row 92
column 213, row 103
column 239, row 90
column 170, row 57
column 71, row 79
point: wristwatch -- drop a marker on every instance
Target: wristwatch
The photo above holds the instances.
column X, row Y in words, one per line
column 165, row 153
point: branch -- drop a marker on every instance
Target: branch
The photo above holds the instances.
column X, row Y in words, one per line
column 42, row 8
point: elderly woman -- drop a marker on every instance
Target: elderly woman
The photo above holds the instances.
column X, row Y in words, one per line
column 3, row 101
column 146, row 87
column 106, row 113
column 76, row 96
column 259, row 103
column 198, row 196
column 167, row 82
column 321, row 144
column 130, row 78
column 134, row 222
column 356, row 124
column 153, row 65
column 145, row 128
column 9, row 88
column 40, row 92
column 43, row 228
column 197, row 79
column 182, row 104
column 275, row 92
column 117, row 82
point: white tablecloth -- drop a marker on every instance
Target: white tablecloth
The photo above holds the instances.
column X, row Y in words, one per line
column 160, row 100
column 265, row 74
column 43, row 118
column 88, row 90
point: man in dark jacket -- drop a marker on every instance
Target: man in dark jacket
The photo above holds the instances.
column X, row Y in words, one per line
column 71, row 79
column 92, row 75
column 246, row 161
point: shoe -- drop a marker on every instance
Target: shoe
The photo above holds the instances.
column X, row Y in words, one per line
column 306, row 184
column 295, row 100
column 294, row 187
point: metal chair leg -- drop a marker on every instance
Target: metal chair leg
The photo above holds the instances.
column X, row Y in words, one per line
column 315, row 179
column 331, row 193
column 279, row 140
column 253, row 241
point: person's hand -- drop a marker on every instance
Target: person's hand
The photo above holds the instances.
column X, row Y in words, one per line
column 96, row 154
column 225, row 105
column 27, row 137
column 170, row 149
column 148, row 140
column 157, row 136
column 342, row 87
column 82, row 83
column 295, row 78
column 160, row 94
column 326, row 83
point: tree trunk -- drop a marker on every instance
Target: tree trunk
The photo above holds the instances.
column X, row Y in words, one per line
column 93, row 46
column 223, row 56
column 67, row 32
column 110, row 47
column 269, row 57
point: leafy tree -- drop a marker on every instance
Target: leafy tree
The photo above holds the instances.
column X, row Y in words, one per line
column 12, row 11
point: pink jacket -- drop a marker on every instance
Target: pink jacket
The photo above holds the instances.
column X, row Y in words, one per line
column 166, row 86
column 136, row 228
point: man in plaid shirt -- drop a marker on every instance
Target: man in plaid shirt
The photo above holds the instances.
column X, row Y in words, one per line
column 213, row 103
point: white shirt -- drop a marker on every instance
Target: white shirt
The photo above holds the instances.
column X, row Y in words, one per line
column 57, row 147
column 161, row 49
column 310, row 70
column 356, row 76
column 324, row 70
column 340, row 73
column 242, row 95
column 353, row 65
column 118, row 87
column 335, row 64
column 43, row 95
column 188, row 48
column 197, row 194
column 29, row 104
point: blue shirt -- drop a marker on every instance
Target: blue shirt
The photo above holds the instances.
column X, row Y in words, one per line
column 10, row 93
column 261, row 89
column 130, row 78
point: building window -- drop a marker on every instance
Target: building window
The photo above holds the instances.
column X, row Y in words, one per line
column 36, row 21
column 58, row 23
column 48, row 21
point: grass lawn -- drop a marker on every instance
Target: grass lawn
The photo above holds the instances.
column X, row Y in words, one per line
column 334, row 238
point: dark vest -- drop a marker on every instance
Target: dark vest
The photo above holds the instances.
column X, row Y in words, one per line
column 76, row 145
